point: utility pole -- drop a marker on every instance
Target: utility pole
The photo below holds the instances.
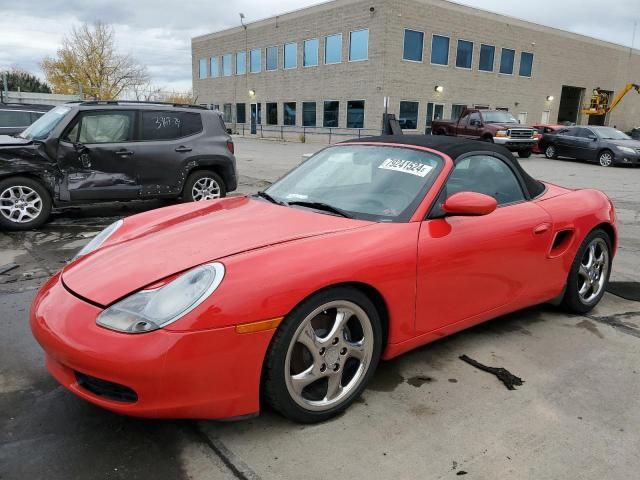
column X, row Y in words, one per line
column 4, row 93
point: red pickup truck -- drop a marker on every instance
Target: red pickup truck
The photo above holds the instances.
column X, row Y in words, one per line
column 495, row 126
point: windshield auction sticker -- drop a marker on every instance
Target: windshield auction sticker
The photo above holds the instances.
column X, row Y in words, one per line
column 406, row 166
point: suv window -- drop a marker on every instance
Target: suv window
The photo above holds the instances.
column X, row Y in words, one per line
column 485, row 174
column 169, row 125
column 14, row 118
column 107, row 126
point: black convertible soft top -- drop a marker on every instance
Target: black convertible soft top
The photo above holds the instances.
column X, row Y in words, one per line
column 456, row 147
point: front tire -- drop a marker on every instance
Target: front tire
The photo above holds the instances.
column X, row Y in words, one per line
column 589, row 273
column 25, row 203
column 323, row 355
column 203, row 185
column 524, row 153
column 550, row 152
column 605, row 159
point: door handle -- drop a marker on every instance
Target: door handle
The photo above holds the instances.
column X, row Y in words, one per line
column 542, row 228
column 183, row 149
column 124, row 153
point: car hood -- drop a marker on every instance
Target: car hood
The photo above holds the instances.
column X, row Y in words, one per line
column 10, row 141
column 625, row 143
column 507, row 126
column 160, row 243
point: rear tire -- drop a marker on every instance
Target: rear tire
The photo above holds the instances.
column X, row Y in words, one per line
column 316, row 349
column 589, row 274
column 203, row 185
column 550, row 152
column 25, row 203
column 524, row 153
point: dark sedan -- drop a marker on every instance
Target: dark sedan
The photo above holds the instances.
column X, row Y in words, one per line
column 604, row 145
column 14, row 118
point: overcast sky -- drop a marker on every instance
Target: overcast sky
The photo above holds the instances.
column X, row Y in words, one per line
column 158, row 32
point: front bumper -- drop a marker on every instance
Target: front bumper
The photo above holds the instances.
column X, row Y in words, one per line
column 625, row 158
column 204, row 374
column 515, row 143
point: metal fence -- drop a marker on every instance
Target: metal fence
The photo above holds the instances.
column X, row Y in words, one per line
column 304, row 134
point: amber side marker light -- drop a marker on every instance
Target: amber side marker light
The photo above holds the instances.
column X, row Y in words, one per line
column 259, row 326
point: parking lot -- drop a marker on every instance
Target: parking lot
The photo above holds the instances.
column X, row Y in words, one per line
column 426, row 415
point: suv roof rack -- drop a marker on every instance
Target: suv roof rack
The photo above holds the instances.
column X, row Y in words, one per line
column 137, row 102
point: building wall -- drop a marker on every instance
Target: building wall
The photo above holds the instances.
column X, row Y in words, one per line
column 560, row 58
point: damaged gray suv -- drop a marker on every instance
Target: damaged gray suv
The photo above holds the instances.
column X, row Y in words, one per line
column 85, row 152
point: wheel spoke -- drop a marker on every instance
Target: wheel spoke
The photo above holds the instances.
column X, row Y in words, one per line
column 585, row 287
column 342, row 317
column 334, row 387
column 583, row 272
column 356, row 350
column 309, row 339
column 302, row 379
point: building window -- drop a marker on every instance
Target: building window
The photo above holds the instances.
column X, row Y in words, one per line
column 290, row 55
column 359, row 45
column 202, row 68
column 440, row 50
column 215, row 67
column 310, row 52
column 464, row 55
column 333, row 49
column 241, row 112
column 216, row 107
column 289, row 113
column 272, row 113
column 355, row 114
column 227, row 59
column 413, row 44
column 227, row 113
column 408, row 115
column 503, row 109
column 241, row 63
column 456, row 111
column 331, row 114
column 435, row 111
column 526, row 64
column 487, row 56
column 272, row 59
column 255, row 60
column 308, row 114
column 506, row 61
column 481, row 107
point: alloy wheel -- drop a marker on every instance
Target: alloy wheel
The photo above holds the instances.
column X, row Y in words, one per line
column 20, row 204
column 550, row 152
column 593, row 271
column 606, row 159
column 329, row 355
column 205, row 188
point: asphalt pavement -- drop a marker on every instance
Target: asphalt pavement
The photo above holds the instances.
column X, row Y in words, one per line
column 426, row 415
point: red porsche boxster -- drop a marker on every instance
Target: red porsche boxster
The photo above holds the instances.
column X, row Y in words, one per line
column 366, row 250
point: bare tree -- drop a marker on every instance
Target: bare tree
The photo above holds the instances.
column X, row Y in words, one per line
column 88, row 61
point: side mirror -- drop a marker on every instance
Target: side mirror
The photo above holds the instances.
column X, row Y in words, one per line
column 469, row 204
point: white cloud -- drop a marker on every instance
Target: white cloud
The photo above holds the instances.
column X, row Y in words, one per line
column 158, row 32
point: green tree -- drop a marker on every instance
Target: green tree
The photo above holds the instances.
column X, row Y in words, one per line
column 88, row 61
column 19, row 80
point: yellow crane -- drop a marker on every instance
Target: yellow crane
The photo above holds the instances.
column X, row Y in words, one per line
column 600, row 100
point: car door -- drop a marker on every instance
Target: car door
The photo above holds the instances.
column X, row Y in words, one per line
column 564, row 142
column 95, row 156
column 470, row 266
column 167, row 142
column 461, row 128
column 473, row 128
column 587, row 144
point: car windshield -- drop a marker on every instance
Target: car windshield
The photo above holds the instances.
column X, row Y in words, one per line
column 367, row 182
column 608, row 133
column 498, row 117
column 41, row 128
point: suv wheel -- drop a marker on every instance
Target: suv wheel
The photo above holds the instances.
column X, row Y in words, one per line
column 203, row 185
column 24, row 203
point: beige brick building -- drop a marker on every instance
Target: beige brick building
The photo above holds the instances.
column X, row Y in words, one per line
column 423, row 58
